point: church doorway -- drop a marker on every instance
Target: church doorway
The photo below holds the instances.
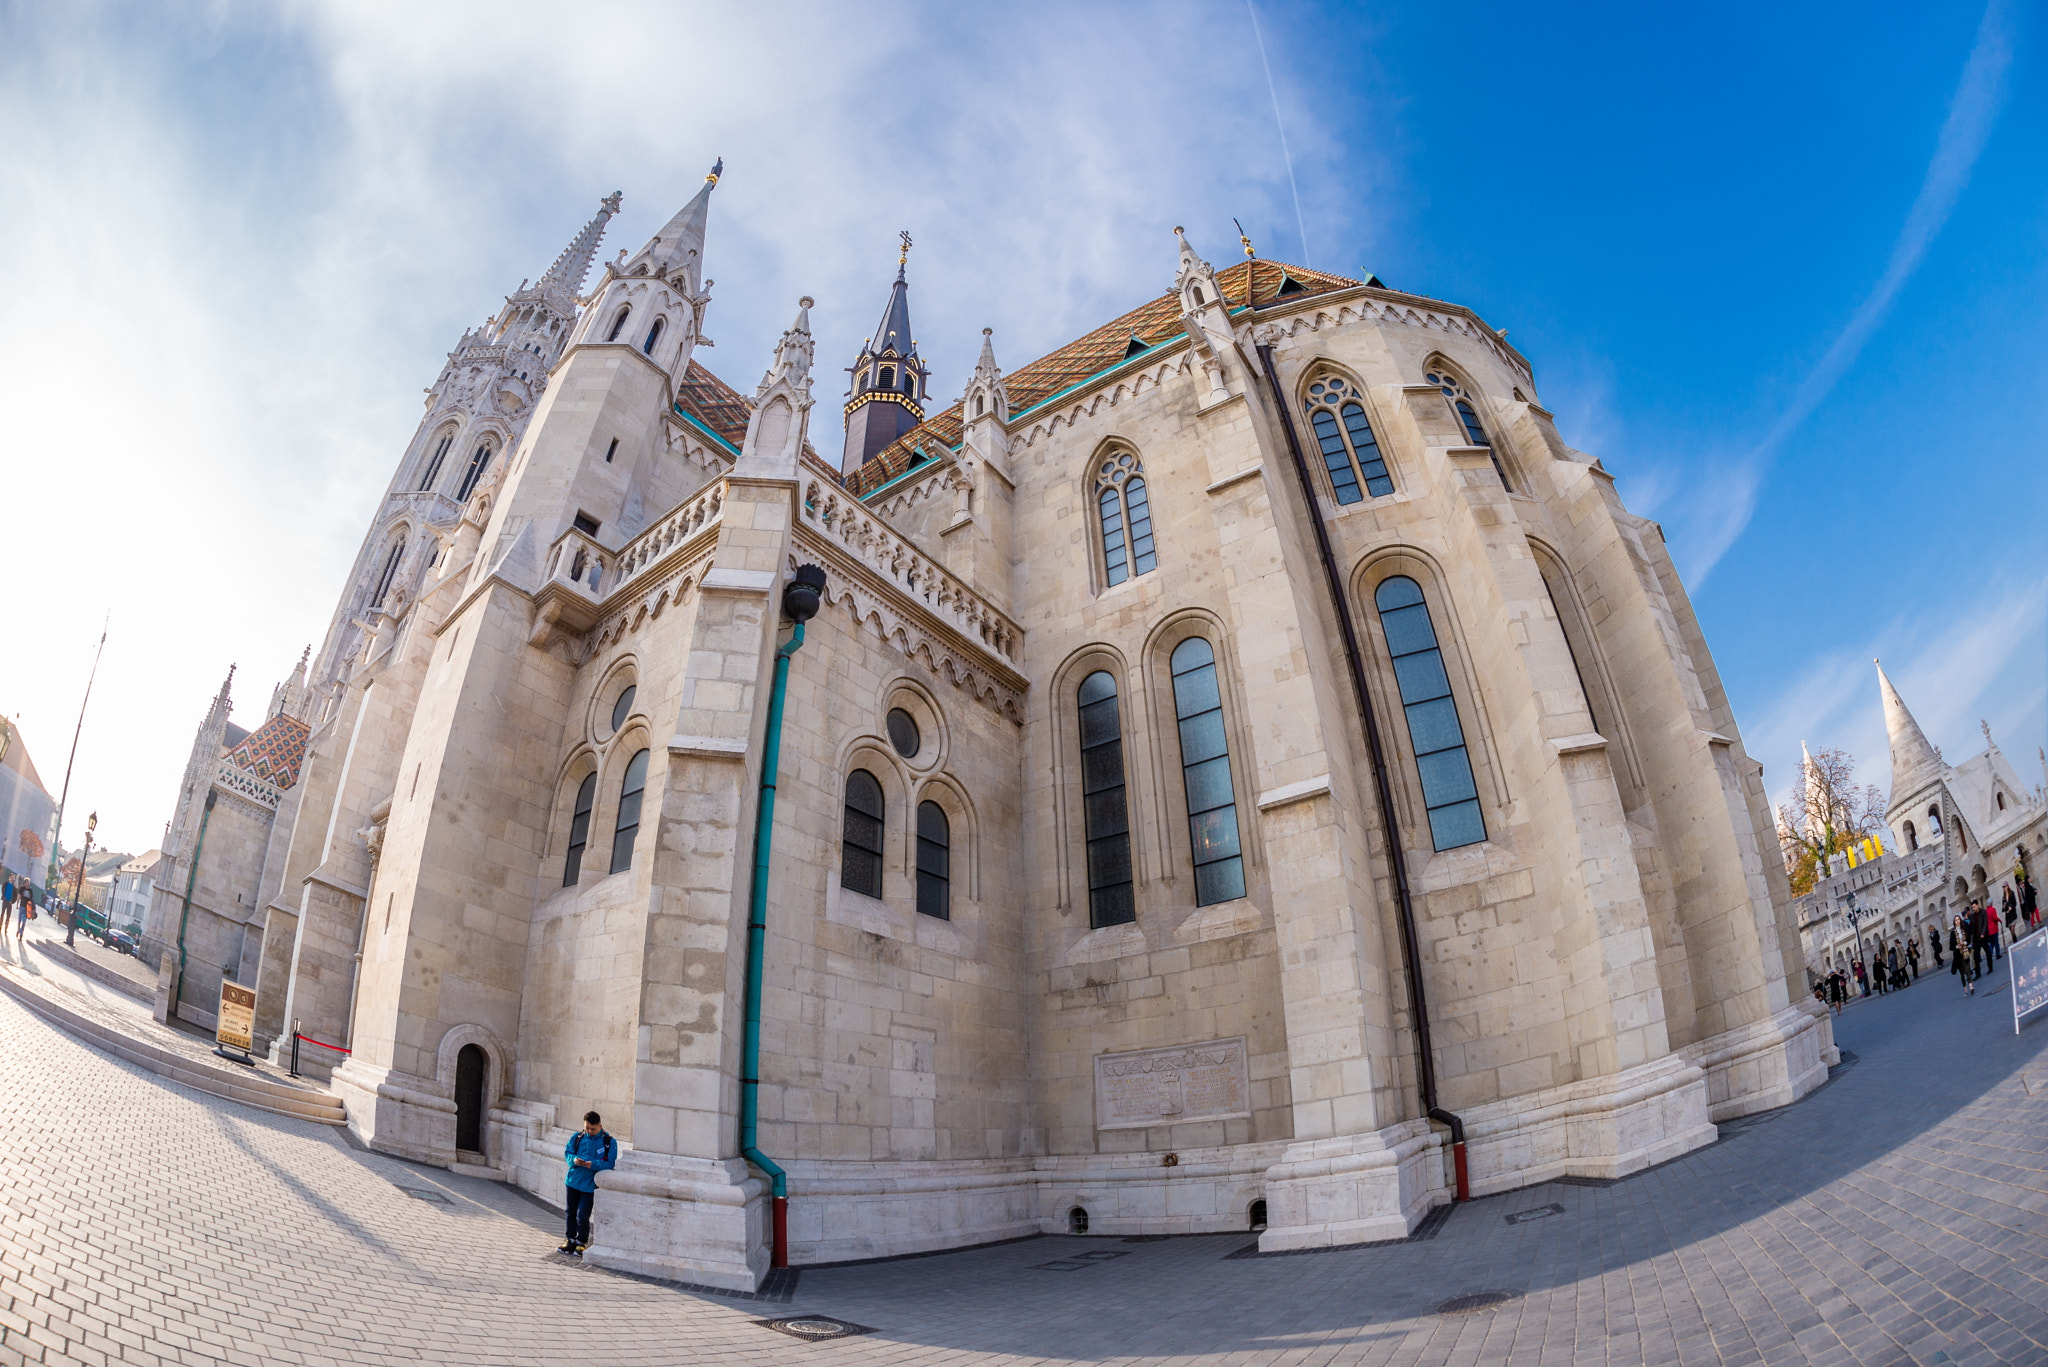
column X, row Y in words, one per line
column 471, row 1069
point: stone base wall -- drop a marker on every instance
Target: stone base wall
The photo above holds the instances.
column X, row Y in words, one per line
column 1352, row 1189
column 1770, row 1064
column 1606, row 1127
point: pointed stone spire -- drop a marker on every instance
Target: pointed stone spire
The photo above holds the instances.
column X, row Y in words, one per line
column 572, row 267
column 792, row 363
column 889, row 380
column 679, row 246
column 782, row 406
column 986, row 393
column 1913, row 756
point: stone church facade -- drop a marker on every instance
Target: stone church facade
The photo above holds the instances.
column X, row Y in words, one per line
column 1089, row 903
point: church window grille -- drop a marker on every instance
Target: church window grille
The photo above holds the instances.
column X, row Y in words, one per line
column 934, row 862
column 860, row 859
column 623, row 708
column 390, row 572
column 1125, row 509
column 631, row 790
column 1434, row 731
column 903, row 733
column 1205, row 771
column 653, row 335
column 579, row 831
column 477, row 465
column 1105, row 813
column 434, row 465
column 1468, row 418
column 888, row 377
column 1350, row 452
column 619, row 323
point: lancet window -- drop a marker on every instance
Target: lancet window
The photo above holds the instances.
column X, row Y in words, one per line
column 860, row 856
column 1205, row 771
column 1434, row 731
column 653, row 335
column 390, row 572
column 478, row 463
column 1124, row 508
column 619, row 323
column 1105, row 813
column 934, row 862
column 579, row 830
column 1350, row 452
column 434, row 465
column 631, row 789
column 1468, row 417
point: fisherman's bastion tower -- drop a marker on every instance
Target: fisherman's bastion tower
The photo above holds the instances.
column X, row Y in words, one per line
column 1240, row 770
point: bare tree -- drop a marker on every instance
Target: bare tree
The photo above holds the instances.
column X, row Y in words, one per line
column 1826, row 816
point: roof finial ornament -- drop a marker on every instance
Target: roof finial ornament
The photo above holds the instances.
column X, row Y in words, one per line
column 717, row 170
column 903, row 256
column 1243, row 237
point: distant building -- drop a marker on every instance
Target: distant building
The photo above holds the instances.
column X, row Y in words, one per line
column 133, row 882
column 27, row 812
column 1957, row 832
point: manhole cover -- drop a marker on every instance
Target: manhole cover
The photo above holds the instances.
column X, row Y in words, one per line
column 1060, row 1265
column 1523, row 1217
column 419, row 1194
column 1103, row 1255
column 815, row 1327
column 1477, row 1300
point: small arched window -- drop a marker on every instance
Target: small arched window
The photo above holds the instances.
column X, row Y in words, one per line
column 888, row 380
column 579, row 830
column 910, row 382
column 1434, row 731
column 434, row 465
column 860, row 856
column 1934, row 822
column 653, row 335
column 623, row 708
column 1912, row 837
column 980, row 405
column 619, row 324
column 1468, row 417
column 1125, row 510
column 478, row 463
column 1205, row 771
column 2001, row 801
column 1105, row 815
column 1350, row 451
column 934, row 862
column 631, row 789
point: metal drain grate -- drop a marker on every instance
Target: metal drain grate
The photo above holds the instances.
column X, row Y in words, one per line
column 1079, row 1261
column 1474, row 1301
column 422, row 1194
column 815, row 1328
column 1523, row 1217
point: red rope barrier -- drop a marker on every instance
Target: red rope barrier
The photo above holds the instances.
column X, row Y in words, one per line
column 322, row 1043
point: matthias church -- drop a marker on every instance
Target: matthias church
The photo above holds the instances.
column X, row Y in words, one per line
column 1243, row 769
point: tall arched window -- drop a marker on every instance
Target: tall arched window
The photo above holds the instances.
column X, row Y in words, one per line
column 1105, row 816
column 619, row 323
column 1912, row 837
column 1448, row 792
column 934, row 862
column 1350, row 451
column 390, row 572
column 477, row 464
column 860, row 843
column 1468, row 417
column 630, row 791
column 1126, row 515
column 653, row 335
column 888, row 377
column 434, row 465
column 579, row 831
column 1205, row 770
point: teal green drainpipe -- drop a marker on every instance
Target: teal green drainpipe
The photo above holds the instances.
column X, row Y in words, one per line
column 800, row 600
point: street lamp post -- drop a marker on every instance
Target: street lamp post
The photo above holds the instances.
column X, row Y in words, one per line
column 92, row 823
column 1856, row 915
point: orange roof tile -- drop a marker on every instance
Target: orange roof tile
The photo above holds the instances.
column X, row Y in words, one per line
column 1153, row 322
column 714, row 403
column 274, row 750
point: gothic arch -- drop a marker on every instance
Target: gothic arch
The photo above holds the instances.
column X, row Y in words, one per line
column 497, row 1082
column 1315, row 375
column 1491, row 423
column 951, row 796
column 1070, row 843
column 1603, row 696
column 1163, row 754
column 1116, row 465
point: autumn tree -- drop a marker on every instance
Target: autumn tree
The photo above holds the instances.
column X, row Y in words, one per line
column 1827, row 815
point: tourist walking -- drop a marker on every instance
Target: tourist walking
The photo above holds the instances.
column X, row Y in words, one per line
column 1962, row 962
column 1913, row 955
column 1991, row 930
column 1980, row 940
column 2009, row 912
column 1862, row 979
column 2030, row 902
column 1934, row 944
column 590, row 1151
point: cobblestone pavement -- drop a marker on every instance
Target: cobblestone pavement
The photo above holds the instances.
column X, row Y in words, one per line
column 1896, row 1216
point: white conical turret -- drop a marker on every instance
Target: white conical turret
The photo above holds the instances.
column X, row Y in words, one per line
column 1914, row 758
column 782, row 405
column 986, row 394
column 1206, row 317
column 677, row 251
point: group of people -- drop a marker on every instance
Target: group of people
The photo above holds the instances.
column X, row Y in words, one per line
column 1973, row 948
column 17, row 905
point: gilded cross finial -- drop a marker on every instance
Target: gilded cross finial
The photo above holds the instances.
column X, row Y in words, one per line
column 903, row 257
column 1242, row 237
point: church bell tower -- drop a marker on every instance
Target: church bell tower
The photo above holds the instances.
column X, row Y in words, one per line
column 888, row 393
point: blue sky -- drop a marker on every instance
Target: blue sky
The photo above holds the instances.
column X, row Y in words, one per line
column 1783, row 270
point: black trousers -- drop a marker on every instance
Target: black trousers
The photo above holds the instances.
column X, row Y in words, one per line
column 579, row 1215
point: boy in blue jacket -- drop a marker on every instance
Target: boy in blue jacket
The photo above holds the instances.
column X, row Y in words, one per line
column 590, row 1151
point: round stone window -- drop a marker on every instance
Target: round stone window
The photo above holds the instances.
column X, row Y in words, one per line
column 903, row 733
column 623, row 708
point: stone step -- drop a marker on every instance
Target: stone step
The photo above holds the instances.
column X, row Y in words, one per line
column 246, row 1088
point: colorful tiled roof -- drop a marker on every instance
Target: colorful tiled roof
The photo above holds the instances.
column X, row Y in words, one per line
column 1151, row 323
column 274, row 751
column 714, row 405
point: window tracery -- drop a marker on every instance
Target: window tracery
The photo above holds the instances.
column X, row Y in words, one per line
column 631, row 789
column 1351, row 453
column 1435, row 734
column 1124, row 509
column 1468, row 417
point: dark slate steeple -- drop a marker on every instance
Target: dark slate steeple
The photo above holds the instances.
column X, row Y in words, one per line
column 889, row 381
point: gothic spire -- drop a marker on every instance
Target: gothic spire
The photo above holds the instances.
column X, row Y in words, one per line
column 1912, row 753
column 889, row 381
column 679, row 246
column 566, row 276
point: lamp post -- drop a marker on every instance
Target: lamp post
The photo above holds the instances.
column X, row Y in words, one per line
column 1856, row 915
column 78, row 884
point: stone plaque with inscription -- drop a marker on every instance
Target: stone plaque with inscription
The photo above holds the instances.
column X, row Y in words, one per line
column 1170, row 1086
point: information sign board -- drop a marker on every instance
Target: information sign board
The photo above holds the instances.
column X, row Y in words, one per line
column 237, row 1028
column 2029, row 963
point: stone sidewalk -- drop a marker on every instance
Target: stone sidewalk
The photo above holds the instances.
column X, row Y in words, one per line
column 1896, row 1216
